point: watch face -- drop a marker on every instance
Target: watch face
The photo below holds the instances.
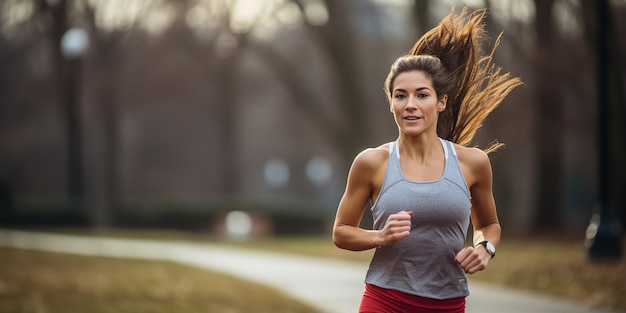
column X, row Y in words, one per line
column 490, row 248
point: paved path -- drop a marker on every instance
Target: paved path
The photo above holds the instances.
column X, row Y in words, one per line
column 331, row 285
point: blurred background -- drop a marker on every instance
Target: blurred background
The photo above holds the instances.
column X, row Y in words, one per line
column 175, row 113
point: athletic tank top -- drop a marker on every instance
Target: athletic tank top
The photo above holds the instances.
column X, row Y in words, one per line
column 423, row 263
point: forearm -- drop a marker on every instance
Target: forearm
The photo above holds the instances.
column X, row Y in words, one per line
column 489, row 232
column 353, row 238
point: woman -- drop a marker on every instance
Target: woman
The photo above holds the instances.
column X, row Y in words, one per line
column 425, row 186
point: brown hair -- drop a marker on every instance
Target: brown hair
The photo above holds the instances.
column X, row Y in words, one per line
column 428, row 64
column 452, row 56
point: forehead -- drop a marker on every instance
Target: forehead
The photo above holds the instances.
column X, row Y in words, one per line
column 412, row 80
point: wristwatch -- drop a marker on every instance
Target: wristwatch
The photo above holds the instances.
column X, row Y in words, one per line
column 489, row 247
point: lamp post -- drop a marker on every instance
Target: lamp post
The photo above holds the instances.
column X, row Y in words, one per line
column 74, row 44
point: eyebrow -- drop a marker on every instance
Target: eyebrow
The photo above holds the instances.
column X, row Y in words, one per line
column 417, row 89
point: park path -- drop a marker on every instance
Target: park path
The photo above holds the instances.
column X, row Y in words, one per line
column 333, row 286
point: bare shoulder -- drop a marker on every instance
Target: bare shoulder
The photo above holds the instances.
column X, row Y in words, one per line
column 474, row 162
column 474, row 157
column 372, row 158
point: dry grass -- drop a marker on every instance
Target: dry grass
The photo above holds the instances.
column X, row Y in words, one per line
column 560, row 269
column 48, row 282
column 548, row 266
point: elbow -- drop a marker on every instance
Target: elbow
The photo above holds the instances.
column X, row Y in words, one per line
column 337, row 243
column 344, row 239
column 343, row 245
column 340, row 244
column 497, row 228
column 338, row 238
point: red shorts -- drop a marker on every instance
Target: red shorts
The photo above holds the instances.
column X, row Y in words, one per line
column 381, row 300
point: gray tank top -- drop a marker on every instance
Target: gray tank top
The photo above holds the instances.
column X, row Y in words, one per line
column 423, row 263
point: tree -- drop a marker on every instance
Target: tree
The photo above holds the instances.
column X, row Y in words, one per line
column 337, row 41
column 606, row 240
column 99, row 190
column 421, row 12
column 56, row 16
column 549, row 133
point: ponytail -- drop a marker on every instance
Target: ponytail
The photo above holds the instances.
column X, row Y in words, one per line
column 478, row 86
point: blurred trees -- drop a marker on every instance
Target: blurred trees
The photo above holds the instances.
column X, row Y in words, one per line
column 336, row 39
column 604, row 46
column 190, row 99
column 549, row 129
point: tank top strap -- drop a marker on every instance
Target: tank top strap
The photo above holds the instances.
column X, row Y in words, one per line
column 453, row 170
column 394, row 150
column 446, row 148
column 394, row 172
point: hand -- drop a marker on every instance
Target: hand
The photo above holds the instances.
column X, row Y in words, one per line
column 397, row 228
column 473, row 259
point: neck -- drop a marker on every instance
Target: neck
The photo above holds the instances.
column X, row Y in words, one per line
column 419, row 148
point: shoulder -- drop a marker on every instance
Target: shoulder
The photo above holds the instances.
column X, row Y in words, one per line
column 372, row 158
column 474, row 162
column 473, row 157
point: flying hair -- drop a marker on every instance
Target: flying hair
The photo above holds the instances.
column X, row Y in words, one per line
column 478, row 84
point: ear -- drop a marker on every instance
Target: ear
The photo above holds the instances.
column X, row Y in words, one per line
column 441, row 104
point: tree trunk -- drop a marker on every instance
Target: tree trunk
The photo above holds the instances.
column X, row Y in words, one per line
column 421, row 12
column 227, row 108
column 606, row 241
column 549, row 130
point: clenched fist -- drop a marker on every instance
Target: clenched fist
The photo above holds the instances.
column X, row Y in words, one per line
column 397, row 228
column 473, row 259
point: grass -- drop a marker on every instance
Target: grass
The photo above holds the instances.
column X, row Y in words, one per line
column 560, row 269
column 33, row 281
column 554, row 267
column 547, row 266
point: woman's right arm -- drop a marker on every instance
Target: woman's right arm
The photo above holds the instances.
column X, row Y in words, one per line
column 346, row 231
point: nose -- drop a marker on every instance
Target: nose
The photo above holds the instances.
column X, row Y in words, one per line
column 411, row 104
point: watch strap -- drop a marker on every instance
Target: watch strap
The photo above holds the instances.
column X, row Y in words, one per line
column 491, row 250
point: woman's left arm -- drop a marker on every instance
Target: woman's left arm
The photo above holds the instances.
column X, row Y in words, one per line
column 478, row 174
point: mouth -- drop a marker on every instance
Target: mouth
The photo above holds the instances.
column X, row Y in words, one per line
column 412, row 118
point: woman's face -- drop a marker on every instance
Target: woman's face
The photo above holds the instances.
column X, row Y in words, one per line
column 415, row 104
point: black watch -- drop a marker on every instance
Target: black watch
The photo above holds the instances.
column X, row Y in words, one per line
column 489, row 247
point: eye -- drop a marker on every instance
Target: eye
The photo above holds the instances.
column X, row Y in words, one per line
column 400, row 96
column 422, row 95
